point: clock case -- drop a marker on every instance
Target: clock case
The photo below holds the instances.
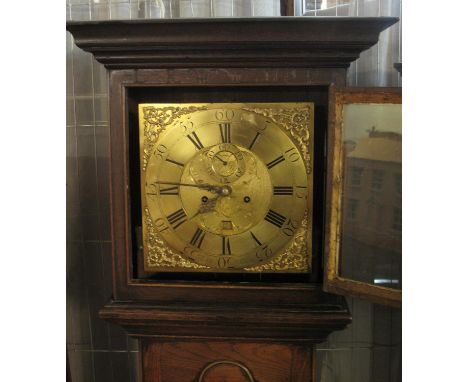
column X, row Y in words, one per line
column 219, row 60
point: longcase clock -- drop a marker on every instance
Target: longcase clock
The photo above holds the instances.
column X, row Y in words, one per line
column 218, row 141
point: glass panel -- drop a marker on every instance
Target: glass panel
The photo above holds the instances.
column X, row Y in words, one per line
column 371, row 238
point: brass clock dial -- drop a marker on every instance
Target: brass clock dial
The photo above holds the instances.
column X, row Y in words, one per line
column 226, row 187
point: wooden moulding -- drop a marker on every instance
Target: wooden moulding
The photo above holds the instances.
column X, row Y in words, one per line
column 250, row 42
column 333, row 282
column 233, row 322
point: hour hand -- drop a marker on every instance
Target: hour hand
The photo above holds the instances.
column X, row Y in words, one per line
column 203, row 186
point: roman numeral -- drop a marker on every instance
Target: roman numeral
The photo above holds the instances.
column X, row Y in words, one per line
column 254, row 140
column 195, row 140
column 225, row 130
column 274, row 162
column 197, row 238
column 175, row 162
column 283, row 190
column 177, row 218
column 226, row 250
column 275, row 218
column 255, row 238
column 169, row 191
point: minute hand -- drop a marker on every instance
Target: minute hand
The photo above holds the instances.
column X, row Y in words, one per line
column 204, row 186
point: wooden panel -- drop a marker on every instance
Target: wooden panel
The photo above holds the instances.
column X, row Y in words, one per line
column 270, row 42
column 221, row 361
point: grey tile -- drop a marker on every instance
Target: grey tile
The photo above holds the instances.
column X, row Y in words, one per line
column 344, row 365
column 395, row 363
column 352, row 74
column 137, row 9
column 118, row 338
column 99, row 329
column 73, row 223
column 390, row 8
column 69, row 63
column 382, row 326
column 381, row 364
column 81, row 366
column 343, row 8
column 368, row 8
column 101, row 108
column 135, row 366
column 133, row 344
column 103, row 366
column 242, row 9
column 367, row 67
column 86, row 153
column 106, row 249
column 120, row 362
column 100, row 11
column 71, row 170
column 80, row 12
column 67, row 12
column 389, row 53
column 222, row 8
column 120, row 11
column 70, row 111
column 90, row 226
column 363, row 321
column 82, row 70
column 265, row 8
column 100, row 79
column 84, row 110
column 77, row 298
column 326, row 12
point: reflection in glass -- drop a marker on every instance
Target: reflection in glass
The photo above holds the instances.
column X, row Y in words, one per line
column 371, row 239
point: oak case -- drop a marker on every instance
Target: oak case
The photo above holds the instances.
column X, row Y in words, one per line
column 241, row 318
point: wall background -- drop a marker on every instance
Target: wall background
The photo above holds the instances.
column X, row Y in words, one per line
column 368, row 350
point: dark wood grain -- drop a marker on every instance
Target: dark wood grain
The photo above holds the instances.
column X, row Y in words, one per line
column 265, row 362
column 229, row 43
column 294, row 323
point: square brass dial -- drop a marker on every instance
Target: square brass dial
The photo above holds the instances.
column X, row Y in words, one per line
column 226, row 187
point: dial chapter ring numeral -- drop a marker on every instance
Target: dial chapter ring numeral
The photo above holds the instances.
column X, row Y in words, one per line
column 177, row 218
column 275, row 218
column 195, row 140
column 225, row 131
column 197, row 238
column 226, row 246
column 274, row 162
column 283, row 190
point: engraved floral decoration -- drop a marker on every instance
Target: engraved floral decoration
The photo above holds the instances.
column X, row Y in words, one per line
column 295, row 121
column 293, row 257
column 156, row 119
column 159, row 253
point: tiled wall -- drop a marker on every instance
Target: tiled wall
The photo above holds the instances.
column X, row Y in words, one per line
column 369, row 350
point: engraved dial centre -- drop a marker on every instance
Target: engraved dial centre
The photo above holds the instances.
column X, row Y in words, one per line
column 240, row 176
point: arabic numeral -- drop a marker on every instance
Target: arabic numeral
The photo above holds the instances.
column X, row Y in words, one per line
column 223, row 261
column 292, row 155
column 160, row 225
column 224, row 115
column 290, row 227
column 161, row 151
